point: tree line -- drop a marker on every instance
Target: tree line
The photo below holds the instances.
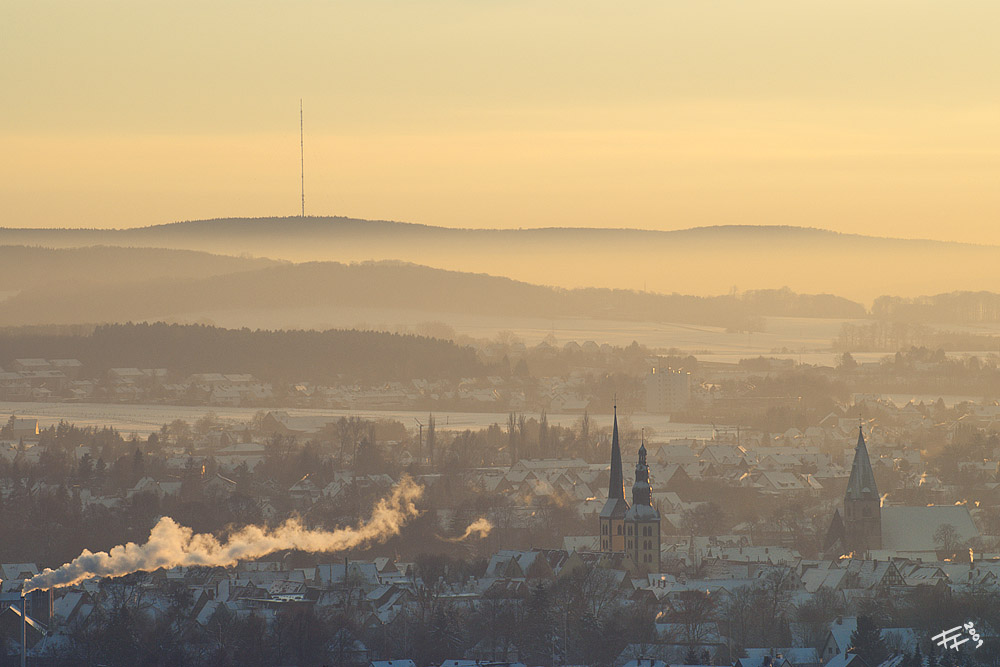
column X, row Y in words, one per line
column 272, row 356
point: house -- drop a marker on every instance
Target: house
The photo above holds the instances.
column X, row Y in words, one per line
column 846, row 660
column 73, row 606
column 910, row 530
column 510, row 564
column 11, row 624
column 218, row 486
column 778, row 482
column 305, row 490
column 22, row 365
column 675, row 453
column 23, row 428
column 838, row 640
column 159, row 489
column 15, row 574
column 249, row 454
column 780, row 657
column 724, row 455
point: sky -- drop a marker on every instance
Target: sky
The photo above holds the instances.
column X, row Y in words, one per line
column 867, row 117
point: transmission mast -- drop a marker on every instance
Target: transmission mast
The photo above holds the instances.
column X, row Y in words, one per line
column 302, row 158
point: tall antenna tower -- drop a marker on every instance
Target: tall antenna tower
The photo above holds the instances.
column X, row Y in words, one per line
column 302, row 158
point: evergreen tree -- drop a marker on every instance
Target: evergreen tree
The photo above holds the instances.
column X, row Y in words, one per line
column 537, row 631
column 866, row 640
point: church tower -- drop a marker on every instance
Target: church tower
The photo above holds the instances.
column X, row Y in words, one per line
column 642, row 521
column 862, row 506
column 612, row 517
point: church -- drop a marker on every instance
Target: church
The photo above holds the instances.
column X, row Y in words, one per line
column 633, row 530
column 866, row 529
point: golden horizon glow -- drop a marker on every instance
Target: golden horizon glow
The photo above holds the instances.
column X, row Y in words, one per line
column 871, row 118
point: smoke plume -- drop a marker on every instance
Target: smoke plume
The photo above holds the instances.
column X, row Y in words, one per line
column 172, row 545
column 482, row 526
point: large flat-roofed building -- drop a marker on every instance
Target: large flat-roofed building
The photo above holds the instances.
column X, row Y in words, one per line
column 667, row 390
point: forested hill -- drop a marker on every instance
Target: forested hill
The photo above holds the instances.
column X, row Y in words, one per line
column 395, row 285
column 700, row 260
column 274, row 356
column 24, row 266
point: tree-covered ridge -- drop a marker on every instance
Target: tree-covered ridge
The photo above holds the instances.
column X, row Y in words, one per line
column 953, row 307
column 308, row 356
column 22, row 267
column 399, row 285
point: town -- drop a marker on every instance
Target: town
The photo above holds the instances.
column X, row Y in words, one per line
column 500, row 334
column 851, row 537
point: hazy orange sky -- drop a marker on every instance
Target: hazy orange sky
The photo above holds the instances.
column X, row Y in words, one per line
column 859, row 116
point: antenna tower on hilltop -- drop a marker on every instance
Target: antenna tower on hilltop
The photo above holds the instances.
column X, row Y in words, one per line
column 302, row 158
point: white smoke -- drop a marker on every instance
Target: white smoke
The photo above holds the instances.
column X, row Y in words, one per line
column 481, row 526
column 173, row 545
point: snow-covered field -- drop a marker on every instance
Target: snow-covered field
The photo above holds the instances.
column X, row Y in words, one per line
column 790, row 337
column 145, row 419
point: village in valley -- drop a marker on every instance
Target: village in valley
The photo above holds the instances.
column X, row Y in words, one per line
column 500, row 334
column 800, row 531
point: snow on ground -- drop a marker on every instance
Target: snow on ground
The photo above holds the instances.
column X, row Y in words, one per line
column 145, row 419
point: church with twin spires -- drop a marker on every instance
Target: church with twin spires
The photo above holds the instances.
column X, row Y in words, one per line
column 633, row 530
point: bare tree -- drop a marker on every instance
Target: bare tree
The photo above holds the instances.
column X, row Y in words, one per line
column 947, row 538
column 695, row 610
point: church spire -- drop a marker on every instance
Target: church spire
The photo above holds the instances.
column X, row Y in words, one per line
column 616, row 487
column 612, row 515
column 861, row 485
column 642, row 493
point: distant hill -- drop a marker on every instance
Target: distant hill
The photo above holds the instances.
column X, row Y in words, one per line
column 701, row 261
column 393, row 285
column 22, row 266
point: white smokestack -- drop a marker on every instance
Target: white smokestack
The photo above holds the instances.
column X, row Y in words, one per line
column 172, row 545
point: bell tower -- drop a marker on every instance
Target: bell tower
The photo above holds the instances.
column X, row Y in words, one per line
column 862, row 505
column 642, row 521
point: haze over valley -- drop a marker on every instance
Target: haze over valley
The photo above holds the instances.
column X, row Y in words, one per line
column 520, row 334
column 702, row 261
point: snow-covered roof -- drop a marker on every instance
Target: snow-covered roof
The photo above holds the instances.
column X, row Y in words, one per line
column 913, row 528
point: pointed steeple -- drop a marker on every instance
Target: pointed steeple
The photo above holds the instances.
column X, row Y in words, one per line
column 642, row 493
column 616, row 505
column 616, row 487
column 861, row 485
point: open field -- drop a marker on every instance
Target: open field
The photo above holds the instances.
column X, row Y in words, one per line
column 145, row 419
column 789, row 337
